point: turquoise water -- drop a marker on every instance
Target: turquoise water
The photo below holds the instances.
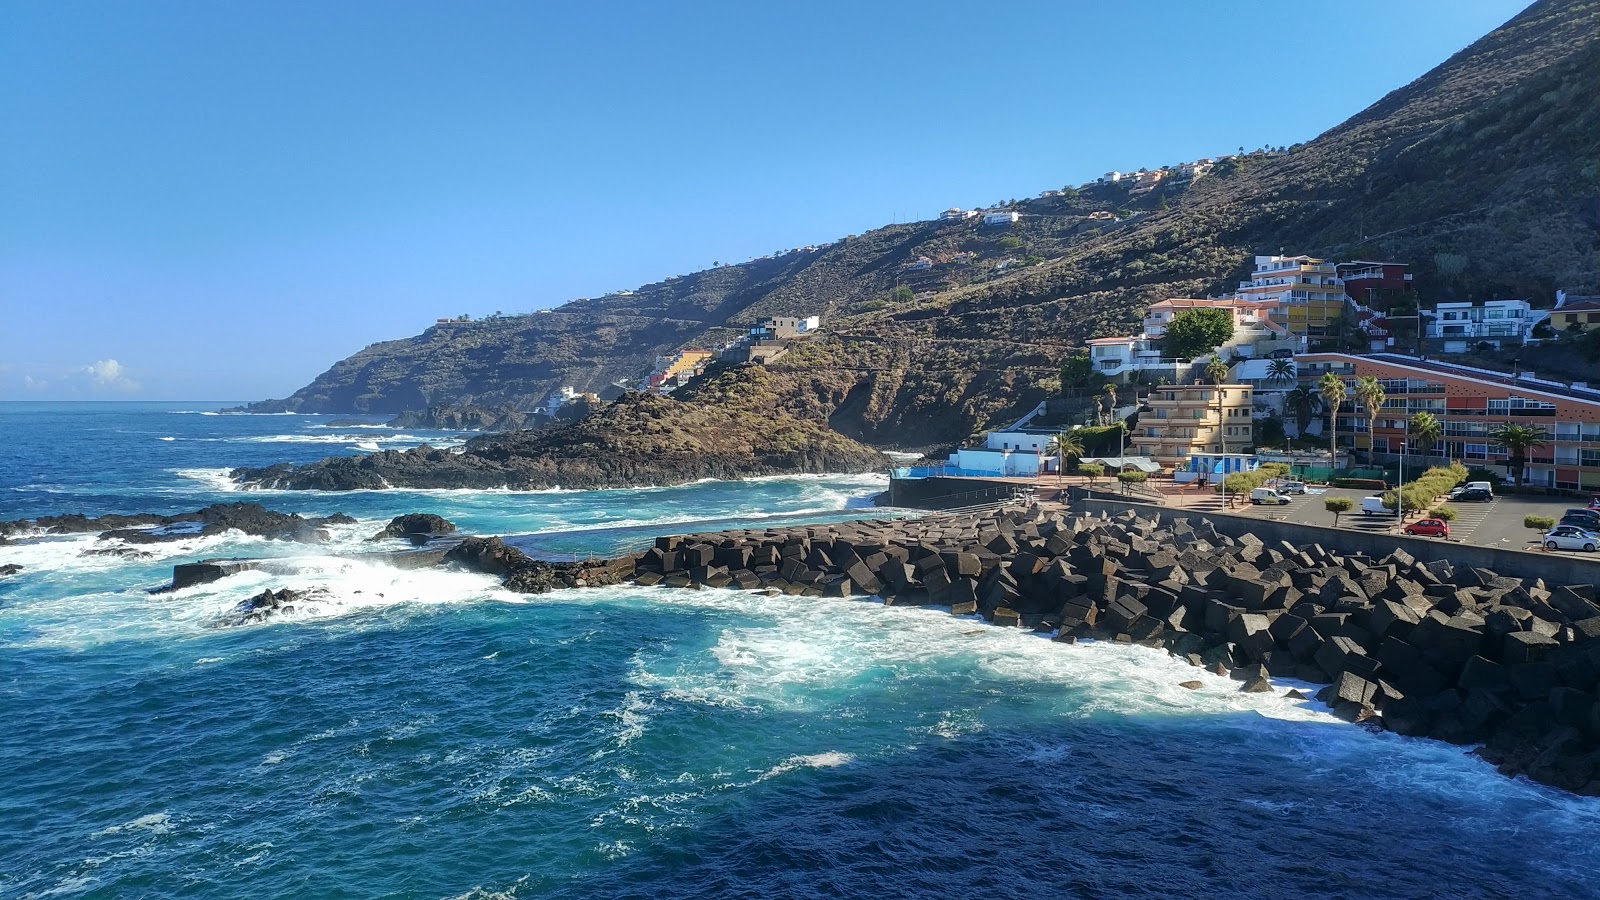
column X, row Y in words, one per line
column 425, row 734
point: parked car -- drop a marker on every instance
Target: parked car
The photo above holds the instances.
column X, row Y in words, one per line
column 1587, row 523
column 1429, row 528
column 1571, row 537
column 1292, row 487
column 1263, row 495
column 1473, row 495
column 1576, row 513
column 1373, row 506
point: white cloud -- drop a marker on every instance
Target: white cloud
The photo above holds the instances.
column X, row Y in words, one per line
column 34, row 384
column 108, row 374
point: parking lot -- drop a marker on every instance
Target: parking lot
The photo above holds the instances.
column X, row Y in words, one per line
column 1496, row 523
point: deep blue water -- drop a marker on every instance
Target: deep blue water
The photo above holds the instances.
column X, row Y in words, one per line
column 424, row 734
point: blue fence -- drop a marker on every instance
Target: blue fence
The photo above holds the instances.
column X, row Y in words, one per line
column 945, row 472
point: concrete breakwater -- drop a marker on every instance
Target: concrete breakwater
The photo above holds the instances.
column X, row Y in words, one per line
column 1424, row 648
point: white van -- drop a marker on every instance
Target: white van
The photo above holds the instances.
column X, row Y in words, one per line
column 1267, row 495
column 1479, row 485
column 1371, row 506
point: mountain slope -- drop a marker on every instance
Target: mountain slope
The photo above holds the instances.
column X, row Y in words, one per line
column 1482, row 174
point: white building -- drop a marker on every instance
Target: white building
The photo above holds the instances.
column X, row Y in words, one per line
column 1001, row 217
column 922, row 263
column 1255, row 334
column 953, row 214
column 1494, row 319
column 1010, row 463
column 1110, row 178
column 557, row 399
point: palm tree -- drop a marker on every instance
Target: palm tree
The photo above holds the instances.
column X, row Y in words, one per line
column 1304, row 404
column 1110, row 403
column 1425, row 432
column 1064, row 444
column 1333, row 394
column 1517, row 441
column 1281, row 371
column 1217, row 371
column 1370, row 394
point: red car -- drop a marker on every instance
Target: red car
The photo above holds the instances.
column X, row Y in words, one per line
column 1429, row 528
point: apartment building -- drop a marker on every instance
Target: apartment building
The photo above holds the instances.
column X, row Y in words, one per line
column 1470, row 403
column 1185, row 419
column 1307, row 294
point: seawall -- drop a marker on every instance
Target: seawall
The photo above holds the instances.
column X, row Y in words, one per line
column 1410, row 635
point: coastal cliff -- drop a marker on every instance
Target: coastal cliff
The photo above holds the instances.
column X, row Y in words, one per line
column 738, row 423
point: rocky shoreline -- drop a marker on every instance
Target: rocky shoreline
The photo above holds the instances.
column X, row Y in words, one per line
column 1421, row 648
column 151, row 528
column 731, row 425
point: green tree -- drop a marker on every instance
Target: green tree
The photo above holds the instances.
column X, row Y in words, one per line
column 1370, row 394
column 1062, row 445
column 1333, row 394
column 1092, row 471
column 1076, row 371
column 1446, row 513
column 1425, row 432
column 902, row 294
column 1338, row 506
column 1281, row 371
column 1196, row 331
column 1217, row 371
column 1303, row 403
column 1589, row 345
column 1517, row 440
column 1538, row 523
column 1109, row 402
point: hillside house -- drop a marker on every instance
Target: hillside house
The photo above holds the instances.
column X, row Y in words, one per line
column 1575, row 312
column 1374, row 284
column 1001, row 217
column 1462, row 323
column 1145, row 182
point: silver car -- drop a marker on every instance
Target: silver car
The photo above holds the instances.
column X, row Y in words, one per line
column 1571, row 537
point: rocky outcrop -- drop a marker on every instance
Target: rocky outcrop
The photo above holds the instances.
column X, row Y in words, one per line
column 525, row 575
column 1458, row 654
column 741, row 423
column 468, row 417
column 269, row 604
column 150, row 528
column 418, row 528
column 10, row 569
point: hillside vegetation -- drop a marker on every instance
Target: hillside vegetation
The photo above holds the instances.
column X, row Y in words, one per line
column 1483, row 174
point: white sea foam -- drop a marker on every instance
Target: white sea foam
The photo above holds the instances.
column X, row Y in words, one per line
column 812, row 650
column 827, row 760
column 155, row 823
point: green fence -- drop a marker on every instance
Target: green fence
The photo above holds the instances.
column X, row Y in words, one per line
column 1323, row 473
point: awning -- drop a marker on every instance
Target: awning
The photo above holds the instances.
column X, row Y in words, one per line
column 1118, row 463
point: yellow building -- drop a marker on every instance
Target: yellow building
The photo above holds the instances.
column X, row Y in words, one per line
column 1582, row 313
column 1185, row 419
column 1307, row 294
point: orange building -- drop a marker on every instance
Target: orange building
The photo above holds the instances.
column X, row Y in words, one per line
column 1470, row 404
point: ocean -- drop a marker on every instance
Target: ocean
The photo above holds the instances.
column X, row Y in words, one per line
column 427, row 734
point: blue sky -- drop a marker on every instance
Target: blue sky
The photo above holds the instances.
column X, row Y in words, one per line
column 207, row 200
